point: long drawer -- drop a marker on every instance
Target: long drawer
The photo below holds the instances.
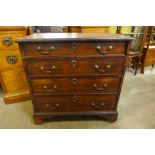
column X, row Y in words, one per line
column 69, row 85
column 74, row 48
column 44, row 67
column 74, row 103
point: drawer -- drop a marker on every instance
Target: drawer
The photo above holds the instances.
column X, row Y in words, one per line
column 74, row 48
column 10, row 59
column 53, row 104
column 74, row 103
column 14, row 83
column 7, row 40
column 75, row 84
column 94, row 102
column 44, row 67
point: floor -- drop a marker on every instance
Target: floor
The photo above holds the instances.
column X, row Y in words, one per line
column 136, row 108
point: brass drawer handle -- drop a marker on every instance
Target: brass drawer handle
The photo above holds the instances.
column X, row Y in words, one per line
column 53, row 67
column 7, row 41
column 93, row 104
column 50, row 90
column 99, row 49
column 102, row 70
column 52, row 48
column 110, row 47
column 53, row 107
column 41, row 51
column 97, row 106
column 39, row 48
column 100, row 88
column 12, row 59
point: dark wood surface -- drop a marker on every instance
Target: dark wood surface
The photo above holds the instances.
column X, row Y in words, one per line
column 81, row 103
column 73, row 49
column 78, row 85
column 48, row 37
column 75, row 80
column 72, row 67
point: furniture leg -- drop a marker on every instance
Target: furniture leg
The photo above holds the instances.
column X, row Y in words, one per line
column 38, row 120
column 137, row 65
column 110, row 117
column 142, row 69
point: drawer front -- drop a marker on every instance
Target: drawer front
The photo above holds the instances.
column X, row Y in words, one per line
column 74, row 48
column 14, row 81
column 74, row 103
column 74, row 66
column 52, row 86
column 7, row 40
column 95, row 102
column 75, row 84
column 53, row 104
column 10, row 58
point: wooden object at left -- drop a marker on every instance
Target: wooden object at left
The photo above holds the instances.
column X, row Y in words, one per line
column 12, row 75
column 148, row 50
column 101, row 29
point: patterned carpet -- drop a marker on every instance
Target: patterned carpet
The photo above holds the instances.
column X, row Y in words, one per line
column 136, row 108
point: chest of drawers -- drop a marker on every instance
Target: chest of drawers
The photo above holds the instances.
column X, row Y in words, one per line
column 74, row 73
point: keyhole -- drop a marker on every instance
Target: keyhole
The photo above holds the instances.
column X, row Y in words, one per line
column 74, row 81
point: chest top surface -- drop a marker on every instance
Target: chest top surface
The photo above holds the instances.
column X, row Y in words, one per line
column 48, row 37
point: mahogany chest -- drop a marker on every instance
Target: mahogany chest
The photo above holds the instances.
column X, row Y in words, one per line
column 75, row 73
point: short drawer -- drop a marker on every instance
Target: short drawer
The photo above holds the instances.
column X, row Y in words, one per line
column 94, row 102
column 8, row 40
column 74, row 48
column 44, row 67
column 75, row 84
column 74, row 103
column 53, row 104
column 10, row 59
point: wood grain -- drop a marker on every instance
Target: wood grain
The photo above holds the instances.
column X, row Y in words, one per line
column 66, row 67
column 75, row 84
column 12, row 75
column 68, row 49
